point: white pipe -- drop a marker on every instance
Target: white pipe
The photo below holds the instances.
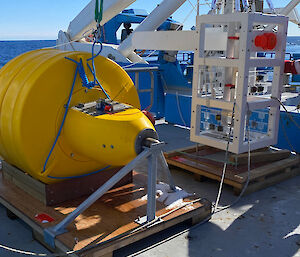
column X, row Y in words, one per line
column 290, row 6
column 151, row 23
column 85, row 20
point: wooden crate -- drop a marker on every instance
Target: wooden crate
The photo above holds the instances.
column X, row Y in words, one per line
column 103, row 227
column 268, row 167
column 62, row 191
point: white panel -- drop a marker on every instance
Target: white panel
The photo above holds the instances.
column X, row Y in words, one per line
column 165, row 40
column 178, row 40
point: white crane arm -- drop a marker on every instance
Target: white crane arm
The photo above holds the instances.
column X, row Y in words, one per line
column 85, row 20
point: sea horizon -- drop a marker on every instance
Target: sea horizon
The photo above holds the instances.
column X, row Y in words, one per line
column 15, row 40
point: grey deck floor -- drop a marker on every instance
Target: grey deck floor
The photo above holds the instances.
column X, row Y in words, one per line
column 265, row 223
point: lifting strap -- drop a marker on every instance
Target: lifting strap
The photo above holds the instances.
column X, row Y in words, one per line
column 98, row 11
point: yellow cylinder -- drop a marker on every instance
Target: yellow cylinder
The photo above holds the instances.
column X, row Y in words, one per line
column 34, row 89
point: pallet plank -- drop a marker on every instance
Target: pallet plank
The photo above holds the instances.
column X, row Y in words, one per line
column 257, row 157
column 102, row 223
column 268, row 167
column 64, row 190
column 270, row 181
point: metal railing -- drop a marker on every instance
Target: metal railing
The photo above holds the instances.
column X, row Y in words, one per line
column 137, row 71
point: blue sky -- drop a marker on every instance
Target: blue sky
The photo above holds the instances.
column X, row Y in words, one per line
column 33, row 19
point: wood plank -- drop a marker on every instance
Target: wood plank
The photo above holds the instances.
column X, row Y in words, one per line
column 257, row 157
column 62, row 191
column 22, row 176
column 270, row 181
column 269, row 169
column 197, row 169
column 100, row 225
column 263, row 168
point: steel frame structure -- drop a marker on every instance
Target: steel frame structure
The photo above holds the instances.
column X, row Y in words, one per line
column 152, row 154
column 240, row 58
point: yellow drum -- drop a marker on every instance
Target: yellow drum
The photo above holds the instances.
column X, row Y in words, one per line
column 34, row 90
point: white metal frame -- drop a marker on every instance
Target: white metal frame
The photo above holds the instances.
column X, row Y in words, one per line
column 241, row 60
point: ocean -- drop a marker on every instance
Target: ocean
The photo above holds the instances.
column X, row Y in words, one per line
column 11, row 49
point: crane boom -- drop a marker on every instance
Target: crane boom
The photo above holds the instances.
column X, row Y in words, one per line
column 85, row 20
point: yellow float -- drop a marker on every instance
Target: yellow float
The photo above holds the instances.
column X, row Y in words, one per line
column 97, row 133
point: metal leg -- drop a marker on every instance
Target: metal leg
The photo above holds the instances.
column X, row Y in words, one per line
column 152, row 152
column 60, row 228
column 151, row 194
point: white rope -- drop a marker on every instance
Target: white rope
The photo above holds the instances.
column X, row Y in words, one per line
column 70, row 42
column 179, row 109
column 216, row 209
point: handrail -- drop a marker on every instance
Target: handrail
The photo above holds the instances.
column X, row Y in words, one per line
column 150, row 70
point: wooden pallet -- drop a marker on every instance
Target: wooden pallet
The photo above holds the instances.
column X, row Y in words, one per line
column 268, row 167
column 62, row 191
column 106, row 225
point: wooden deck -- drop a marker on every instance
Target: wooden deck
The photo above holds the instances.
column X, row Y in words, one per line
column 108, row 224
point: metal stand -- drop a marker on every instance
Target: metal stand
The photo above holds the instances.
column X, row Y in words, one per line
column 152, row 152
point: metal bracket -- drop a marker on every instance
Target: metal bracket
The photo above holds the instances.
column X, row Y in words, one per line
column 151, row 153
column 143, row 221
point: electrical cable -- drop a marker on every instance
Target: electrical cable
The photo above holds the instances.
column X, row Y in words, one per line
column 286, row 136
column 287, row 112
column 248, row 167
column 226, row 160
column 179, row 109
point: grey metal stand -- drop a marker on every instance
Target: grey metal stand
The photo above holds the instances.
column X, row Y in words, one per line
column 152, row 152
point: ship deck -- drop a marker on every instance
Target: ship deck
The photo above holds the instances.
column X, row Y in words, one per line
column 264, row 223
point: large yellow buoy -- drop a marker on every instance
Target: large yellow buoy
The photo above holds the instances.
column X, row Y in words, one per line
column 34, row 90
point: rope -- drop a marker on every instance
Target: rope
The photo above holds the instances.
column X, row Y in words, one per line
column 85, row 83
column 70, row 42
column 63, row 120
column 93, row 69
column 287, row 112
column 248, row 166
column 226, row 161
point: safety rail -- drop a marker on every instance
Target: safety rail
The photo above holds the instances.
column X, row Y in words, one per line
column 137, row 71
